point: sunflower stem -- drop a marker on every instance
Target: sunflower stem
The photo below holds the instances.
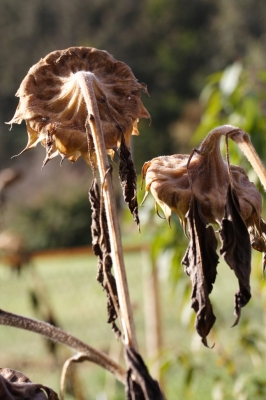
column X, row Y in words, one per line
column 85, row 80
column 60, row 336
column 245, row 145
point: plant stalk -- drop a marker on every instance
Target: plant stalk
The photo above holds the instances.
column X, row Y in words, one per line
column 60, row 336
column 244, row 143
column 85, row 79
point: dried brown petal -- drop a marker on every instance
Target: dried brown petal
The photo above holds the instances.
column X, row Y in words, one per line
column 200, row 263
column 167, row 180
column 236, row 249
column 257, row 234
column 52, row 104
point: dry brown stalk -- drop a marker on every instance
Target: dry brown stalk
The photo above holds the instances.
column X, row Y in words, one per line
column 85, row 81
column 60, row 336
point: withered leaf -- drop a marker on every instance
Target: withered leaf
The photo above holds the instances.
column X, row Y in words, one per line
column 102, row 249
column 16, row 386
column 236, row 249
column 140, row 385
column 128, row 179
column 99, row 244
column 200, row 263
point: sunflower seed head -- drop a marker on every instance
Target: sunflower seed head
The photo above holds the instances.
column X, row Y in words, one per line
column 173, row 179
column 52, row 104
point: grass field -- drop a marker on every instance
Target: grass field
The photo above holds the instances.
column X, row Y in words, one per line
column 68, row 287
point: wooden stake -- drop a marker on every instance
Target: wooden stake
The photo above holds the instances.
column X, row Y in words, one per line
column 153, row 320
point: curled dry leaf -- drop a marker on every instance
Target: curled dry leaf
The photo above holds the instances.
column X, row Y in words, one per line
column 140, row 385
column 236, row 249
column 101, row 248
column 128, row 179
column 203, row 188
column 200, row 263
column 16, row 386
column 52, row 104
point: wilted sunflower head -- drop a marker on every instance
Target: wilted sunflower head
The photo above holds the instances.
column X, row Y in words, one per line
column 173, row 179
column 52, row 104
column 204, row 189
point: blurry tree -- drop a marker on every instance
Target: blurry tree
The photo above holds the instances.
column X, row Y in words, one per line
column 53, row 222
column 170, row 45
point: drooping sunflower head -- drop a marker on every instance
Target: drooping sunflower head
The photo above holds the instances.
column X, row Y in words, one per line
column 51, row 102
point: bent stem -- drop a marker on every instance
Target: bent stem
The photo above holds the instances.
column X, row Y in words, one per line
column 85, row 80
column 244, row 143
column 77, row 358
column 60, row 336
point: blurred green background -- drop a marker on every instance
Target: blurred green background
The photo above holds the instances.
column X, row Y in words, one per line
column 204, row 64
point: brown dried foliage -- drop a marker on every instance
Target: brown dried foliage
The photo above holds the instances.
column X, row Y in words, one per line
column 52, row 104
column 101, row 248
column 203, row 188
column 128, row 179
column 140, row 385
column 16, row 386
column 236, row 249
column 200, row 263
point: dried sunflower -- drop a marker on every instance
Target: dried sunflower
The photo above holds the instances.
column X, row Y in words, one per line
column 204, row 189
column 52, row 104
column 82, row 102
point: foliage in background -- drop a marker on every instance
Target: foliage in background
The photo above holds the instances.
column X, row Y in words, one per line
column 54, row 222
column 168, row 44
column 236, row 96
